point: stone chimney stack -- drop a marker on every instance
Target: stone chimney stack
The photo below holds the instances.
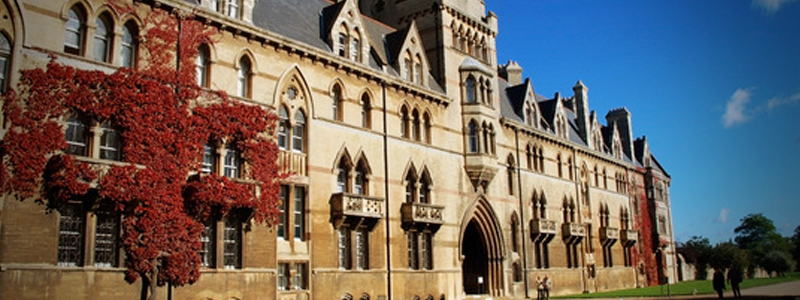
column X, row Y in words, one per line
column 512, row 72
column 622, row 117
column 581, row 99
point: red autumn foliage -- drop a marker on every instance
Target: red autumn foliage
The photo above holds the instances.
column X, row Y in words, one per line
column 165, row 119
column 645, row 253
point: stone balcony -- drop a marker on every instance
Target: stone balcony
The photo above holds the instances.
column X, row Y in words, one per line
column 356, row 209
column 609, row 235
column 291, row 162
column 629, row 237
column 543, row 230
column 421, row 215
column 573, row 232
column 481, row 168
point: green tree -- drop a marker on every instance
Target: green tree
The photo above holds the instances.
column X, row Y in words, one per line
column 697, row 250
column 757, row 235
column 776, row 261
column 727, row 255
column 796, row 247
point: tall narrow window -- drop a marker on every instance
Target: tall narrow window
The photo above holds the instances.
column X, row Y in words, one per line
column 343, row 176
column 366, row 112
column 209, row 164
column 472, row 137
column 415, row 124
column 470, row 90
column 75, row 31
column 418, row 72
column 511, row 175
column 407, row 69
column 299, row 277
column 233, row 8
column 5, row 59
column 426, row 128
column 202, row 63
column 298, row 131
column 425, row 189
column 208, row 244
column 283, row 276
column 360, row 187
column 244, row 78
column 362, row 248
column 232, row 162
column 283, row 198
column 233, row 243
column 105, row 238
column 411, row 187
column 426, row 250
column 345, row 253
column 342, row 42
column 299, row 213
column 283, row 128
column 77, row 136
column 355, row 48
column 413, row 250
column 102, row 38
column 70, row 235
column 216, row 5
column 110, row 143
column 129, row 45
column 404, row 122
column 336, row 102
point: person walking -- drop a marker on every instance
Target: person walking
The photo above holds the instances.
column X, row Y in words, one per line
column 735, row 277
column 539, row 288
column 548, row 285
column 718, row 282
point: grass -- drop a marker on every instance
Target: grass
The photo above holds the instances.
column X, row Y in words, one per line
column 698, row 287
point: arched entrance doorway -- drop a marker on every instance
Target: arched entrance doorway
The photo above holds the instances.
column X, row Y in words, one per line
column 482, row 251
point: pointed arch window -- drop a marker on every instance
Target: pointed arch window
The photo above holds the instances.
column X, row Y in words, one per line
column 299, row 131
column 244, row 77
column 361, row 186
column 415, row 124
column 102, row 38
column 342, row 43
column 128, row 49
column 405, row 127
column 233, row 8
column 355, row 48
column 5, row 59
column 75, row 30
column 426, row 128
column 411, row 186
column 343, row 176
column 366, row 111
column 472, row 137
column 511, row 175
column 425, row 189
column 470, row 90
column 514, row 232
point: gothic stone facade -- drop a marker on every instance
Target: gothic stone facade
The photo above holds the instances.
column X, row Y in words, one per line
column 422, row 167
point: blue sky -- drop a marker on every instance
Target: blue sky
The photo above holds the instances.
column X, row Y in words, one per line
column 713, row 84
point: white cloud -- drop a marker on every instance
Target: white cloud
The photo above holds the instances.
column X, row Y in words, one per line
column 735, row 109
column 723, row 215
column 769, row 7
column 780, row 101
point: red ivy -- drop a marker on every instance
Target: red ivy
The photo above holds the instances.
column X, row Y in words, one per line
column 644, row 224
column 165, row 119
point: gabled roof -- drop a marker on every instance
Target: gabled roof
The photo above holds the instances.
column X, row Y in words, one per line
column 394, row 44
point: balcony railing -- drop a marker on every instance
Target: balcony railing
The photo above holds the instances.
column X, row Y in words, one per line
column 630, row 237
column 609, row 233
column 292, row 162
column 573, row 230
column 414, row 213
column 345, row 205
column 543, row 226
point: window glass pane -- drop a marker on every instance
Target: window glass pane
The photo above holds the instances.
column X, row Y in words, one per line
column 425, row 251
column 362, row 249
column 208, row 241
column 283, row 198
column 105, row 239
column 473, row 138
column 337, row 94
column 299, row 212
column 74, row 31
column 209, row 164
column 342, row 44
column 299, row 278
column 243, row 78
column 344, row 247
column 341, row 178
column 232, row 162
column 128, row 51
column 283, row 276
column 470, row 90
column 201, row 65
column 413, row 250
column 358, row 187
column 101, row 40
column 299, row 131
column 233, row 8
column 110, row 143
column 354, row 49
column 5, row 54
column 233, row 243
column 70, row 235
column 77, row 136
column 283, row 128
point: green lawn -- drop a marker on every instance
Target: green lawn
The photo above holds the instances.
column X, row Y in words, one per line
column 684, row 288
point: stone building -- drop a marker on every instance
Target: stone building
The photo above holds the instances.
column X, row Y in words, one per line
column 423, row 169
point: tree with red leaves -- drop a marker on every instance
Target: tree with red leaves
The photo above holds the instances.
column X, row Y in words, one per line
column 165, row 119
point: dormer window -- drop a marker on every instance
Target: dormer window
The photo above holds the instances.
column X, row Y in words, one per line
column 355, row 48
column 233, row 8
column 342, row 44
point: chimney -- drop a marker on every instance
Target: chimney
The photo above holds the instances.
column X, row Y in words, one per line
column 622, row 117
column 512, row 72
column 582, row 111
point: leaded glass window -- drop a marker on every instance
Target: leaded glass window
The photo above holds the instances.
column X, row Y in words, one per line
column 413, row 248
column 362, row 248
column 110, row 143
column 299, row 278
column 283, row 128
column 71, row 235
column 208, row 247
column 298, row 131
column 129, row 44
column 209, row 164
column 77, row 136
column 345, row 250
column 283, row 276
column 75, row 29
column 102, row 39
column 105, row 239
column 299, row 212
column 232, row 162
column 426, row 250
column 233, row 243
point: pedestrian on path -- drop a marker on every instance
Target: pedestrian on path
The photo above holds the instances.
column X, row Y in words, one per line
column 548, row 285
column 539, row 288
column 735, row 277
column 718, row 282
